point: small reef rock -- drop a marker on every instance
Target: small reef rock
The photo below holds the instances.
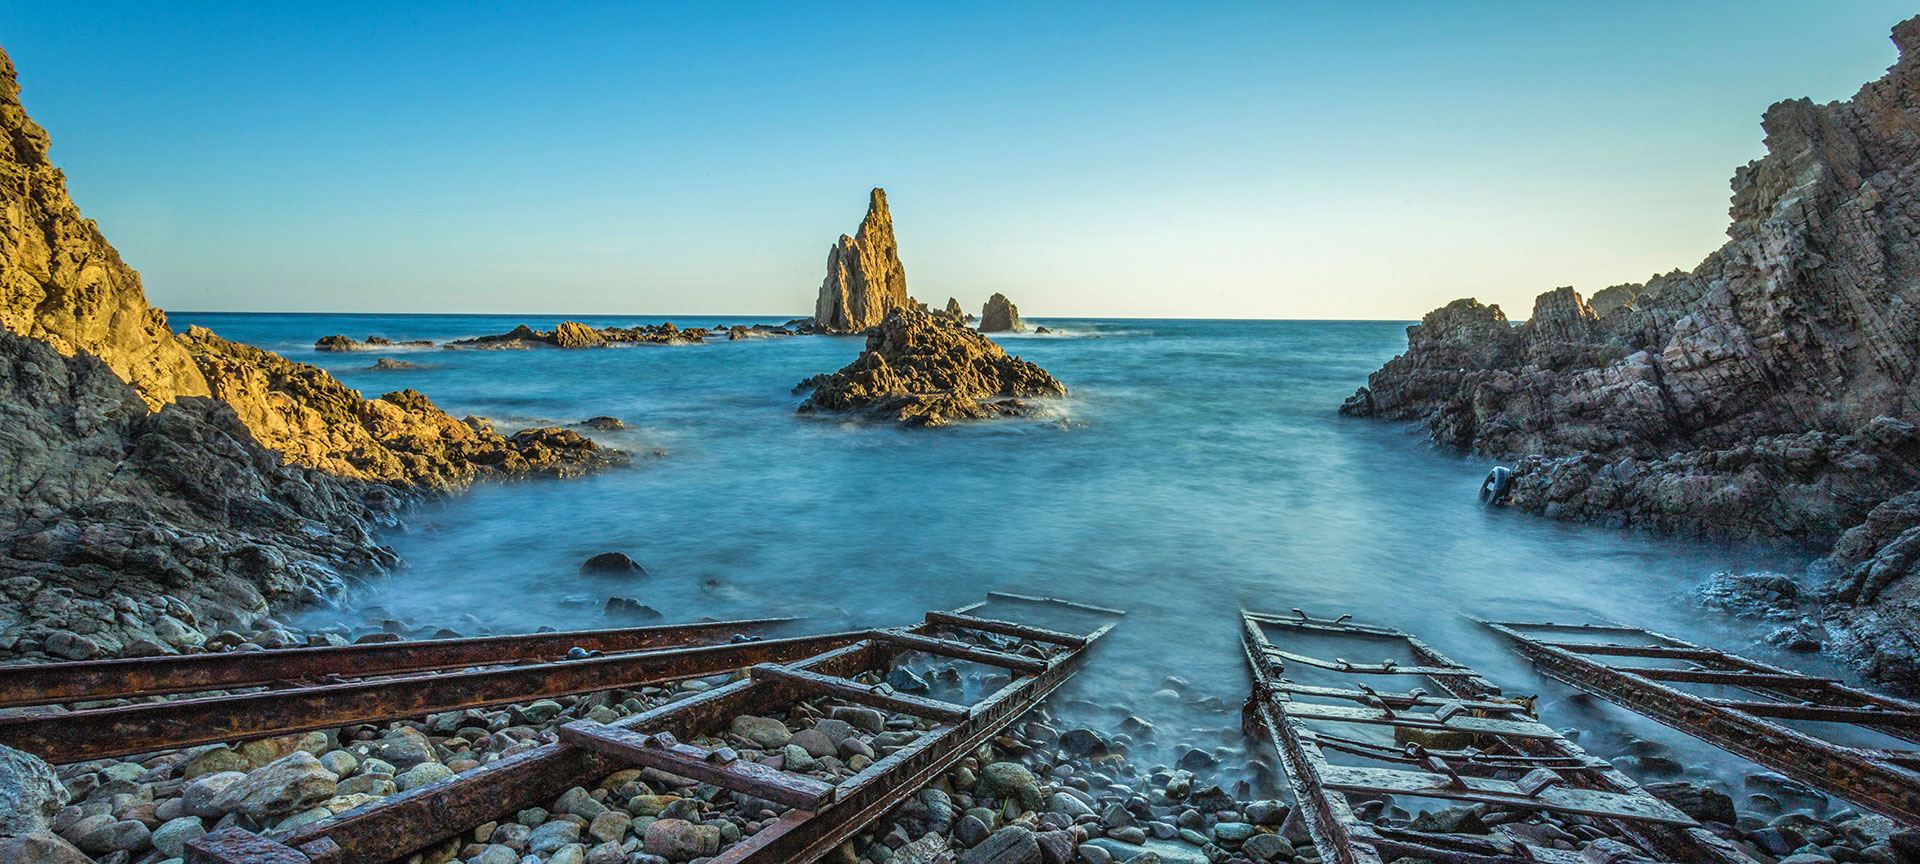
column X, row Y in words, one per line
column 1001, row 316
column 388, row 364
column 1772, row 391
column 573, row 334
column 865, row 280
column 340, row 343
column 924, row 370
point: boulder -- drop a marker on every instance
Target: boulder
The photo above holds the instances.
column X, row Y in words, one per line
column 1001, row 316
column 30, row 793
column 612, row 564
column 288, row 785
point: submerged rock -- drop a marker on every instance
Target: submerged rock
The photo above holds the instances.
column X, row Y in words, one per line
column 1001, row 316
column 924, row 371
column 865, row 279
column 612, row 563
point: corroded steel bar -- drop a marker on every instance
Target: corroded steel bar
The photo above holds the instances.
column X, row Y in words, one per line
column 841, row 688
column 104, row 732
column 400, row 825
column 1052, row 601
column 1854, row 774
column 1743, row 680
column 48, row 683
column 959, row 651
column 1007, row 628
column 694, row 763
column 799, row 837
column 1595, row 787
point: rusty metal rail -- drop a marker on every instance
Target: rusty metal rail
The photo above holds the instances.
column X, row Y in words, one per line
column 100, row 733
column 1877, row 779
column 1513, row 761
column 823, row 816
column 99, row 680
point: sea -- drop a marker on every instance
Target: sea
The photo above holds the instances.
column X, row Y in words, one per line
column 1196, row 468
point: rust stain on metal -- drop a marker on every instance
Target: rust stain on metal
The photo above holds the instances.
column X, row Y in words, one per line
column 401, row 825
column 1513, row 761
column 1881, row 780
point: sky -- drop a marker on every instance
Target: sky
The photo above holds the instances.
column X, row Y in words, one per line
column 1114, row 159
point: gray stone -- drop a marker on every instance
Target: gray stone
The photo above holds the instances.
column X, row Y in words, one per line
column 171, row 838
column 551, row 836
column 1012, row 780
column 289, row 784
column 200, row 795
column 30, row 793
column 1010, row 845
column 422, row 774
column 680, row 840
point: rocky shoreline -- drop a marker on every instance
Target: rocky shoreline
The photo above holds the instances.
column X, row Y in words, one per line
column 1771, row 392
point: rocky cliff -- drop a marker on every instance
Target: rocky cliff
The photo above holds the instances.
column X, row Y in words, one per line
column 865, row 279
column 128, row 529
column 926, row 370
column 63, row 283
column 1770, row 391
column 999, row 315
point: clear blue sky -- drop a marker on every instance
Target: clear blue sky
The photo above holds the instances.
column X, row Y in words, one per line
column 1261, row 160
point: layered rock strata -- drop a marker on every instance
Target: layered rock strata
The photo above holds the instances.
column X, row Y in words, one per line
column 924, row 370
column 865, row 279
column 1772, row 391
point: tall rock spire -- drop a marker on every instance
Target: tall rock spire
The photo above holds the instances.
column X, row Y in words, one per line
column 865, row 279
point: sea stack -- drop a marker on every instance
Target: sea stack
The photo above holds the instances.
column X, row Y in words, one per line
column 1001, row 316
column 865, row 279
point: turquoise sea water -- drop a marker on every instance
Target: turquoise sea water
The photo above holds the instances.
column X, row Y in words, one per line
column 1197, row 466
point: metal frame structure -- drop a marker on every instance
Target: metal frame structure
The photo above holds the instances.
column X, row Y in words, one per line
column 823, row 816
column 1515, row 761
column 1884, row 780
column 344, row 685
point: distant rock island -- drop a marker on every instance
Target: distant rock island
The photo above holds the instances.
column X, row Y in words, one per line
column 573, row 334
column 202, row 480
column 922, row 370
column 1770, row 392
column 1001, row 316
column 865, row 279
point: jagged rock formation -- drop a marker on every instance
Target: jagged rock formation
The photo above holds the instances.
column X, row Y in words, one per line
column 1771, row 391
column 865, row 280
column 923, row 370
column 61, row 282
column 573, row 334
column 120, row 525
column 1000, row 316
column 338, row 342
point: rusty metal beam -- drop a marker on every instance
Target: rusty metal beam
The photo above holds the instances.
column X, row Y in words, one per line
column 96, row 680
column 104, row 732
column 1860, row 776
column 878, row 696
column 958, row 651
column 1007, row 628
column 707, row 766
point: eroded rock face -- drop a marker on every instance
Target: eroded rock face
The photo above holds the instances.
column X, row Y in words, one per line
column 120, row 524
column 865, row 280
column 62, row 282
column 924, row 370
column 1771, row 391
column 1000, row 316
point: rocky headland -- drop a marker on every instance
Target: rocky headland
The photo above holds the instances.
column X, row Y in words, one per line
column 926, row 370
column 161, row 486
column 1770, row 392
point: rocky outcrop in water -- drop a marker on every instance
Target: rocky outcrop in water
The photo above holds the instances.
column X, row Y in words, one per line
column 1000, row 316
column 865, row 280
column 923, row 370
column 340, row 343
column 61, row 282
column 1771, row 391
column 573, row 334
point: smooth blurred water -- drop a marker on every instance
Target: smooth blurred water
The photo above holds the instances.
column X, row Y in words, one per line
column 1196, row 467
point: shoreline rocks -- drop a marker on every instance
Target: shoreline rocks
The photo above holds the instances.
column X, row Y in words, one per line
column 574, row 335
column 865, row 279
column 1772, row 392
column 923, row 370
column 339, row 343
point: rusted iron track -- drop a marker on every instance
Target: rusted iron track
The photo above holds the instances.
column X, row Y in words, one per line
column 104, row 732
column 1881, row 780
column 95, row 680
column 400, row 825
column 1512, row 764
